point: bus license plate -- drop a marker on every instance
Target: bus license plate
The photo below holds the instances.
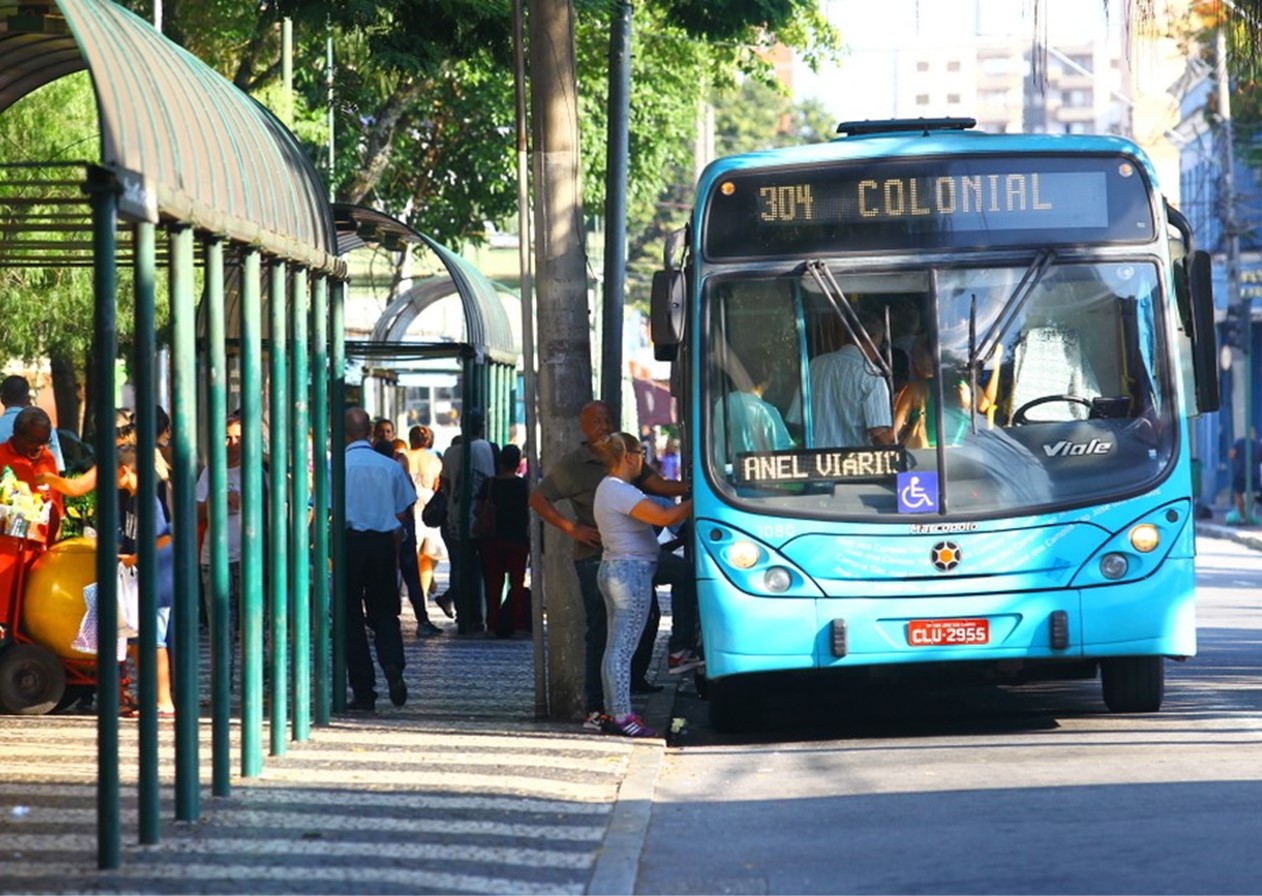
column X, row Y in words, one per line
column 947, row 632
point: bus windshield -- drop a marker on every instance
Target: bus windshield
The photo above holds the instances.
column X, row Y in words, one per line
column 953, row 391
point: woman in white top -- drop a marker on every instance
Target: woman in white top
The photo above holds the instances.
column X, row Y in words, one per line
column 424, row 466
column 625, row 517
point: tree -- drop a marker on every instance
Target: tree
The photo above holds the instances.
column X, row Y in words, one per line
column 48, row 293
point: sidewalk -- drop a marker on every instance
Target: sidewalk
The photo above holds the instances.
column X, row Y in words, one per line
column 460, row 790
column 1250, row 536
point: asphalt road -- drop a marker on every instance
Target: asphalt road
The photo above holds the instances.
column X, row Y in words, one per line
column 983, row 789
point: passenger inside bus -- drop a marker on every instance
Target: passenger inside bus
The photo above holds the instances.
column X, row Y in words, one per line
column 850, row 399
column 743, row 420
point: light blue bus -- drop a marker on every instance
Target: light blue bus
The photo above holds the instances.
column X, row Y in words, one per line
column 935, row 388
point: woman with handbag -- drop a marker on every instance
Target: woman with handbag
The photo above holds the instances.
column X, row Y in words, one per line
column 425, row 467
column 128, row 485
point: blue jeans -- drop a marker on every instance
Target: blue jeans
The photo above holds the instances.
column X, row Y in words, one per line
column 627, row 586
column 595, row 630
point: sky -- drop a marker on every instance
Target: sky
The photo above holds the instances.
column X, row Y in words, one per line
column 859, row 87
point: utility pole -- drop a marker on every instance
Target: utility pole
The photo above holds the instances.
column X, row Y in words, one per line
column 616, row 148
column 1231, row 231
column 539, row 583
column 565, row 369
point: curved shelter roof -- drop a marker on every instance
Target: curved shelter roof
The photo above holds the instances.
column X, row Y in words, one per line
column 185, row 144
column 489, row 332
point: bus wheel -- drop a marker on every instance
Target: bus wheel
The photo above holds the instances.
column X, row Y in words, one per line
column 32, row 680
column 736, row 705
column 1133, row 683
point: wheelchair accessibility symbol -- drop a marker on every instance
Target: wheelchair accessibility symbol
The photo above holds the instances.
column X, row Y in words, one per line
column 917, row 492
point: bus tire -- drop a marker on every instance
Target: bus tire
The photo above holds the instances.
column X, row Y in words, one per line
column 1133, row 683
column 736, row 705
column 32, row 680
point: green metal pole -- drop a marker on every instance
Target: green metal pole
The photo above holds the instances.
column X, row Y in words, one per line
column 474, row 397
column 503, row 402
column 320, row 500
column 146, row 349
column 103, row 196
column 219, row 592
column 278, row 536
column 252, row 497
column 1246, row 342
column 299, row 537
column 184, row 647
column 337, row 476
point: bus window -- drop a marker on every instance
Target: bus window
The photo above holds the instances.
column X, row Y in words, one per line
column 1049, row 394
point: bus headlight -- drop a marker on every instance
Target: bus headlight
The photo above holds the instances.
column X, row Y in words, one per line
column 1114, row 566
column 1145, row 538
column 743, row 554
column 777, row 580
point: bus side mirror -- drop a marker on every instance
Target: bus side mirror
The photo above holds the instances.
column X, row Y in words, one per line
column 666, row 320
column 1204, row 342
column 668, row 311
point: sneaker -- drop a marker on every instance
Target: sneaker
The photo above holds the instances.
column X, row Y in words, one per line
column 683, row 661
column 597, row 721
column 631, row 726
column 446, row 604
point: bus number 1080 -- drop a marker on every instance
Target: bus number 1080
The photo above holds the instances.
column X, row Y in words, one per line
column 786, row 204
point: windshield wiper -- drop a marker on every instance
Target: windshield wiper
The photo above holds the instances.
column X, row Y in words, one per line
column 1012, row 307
column 832, row 291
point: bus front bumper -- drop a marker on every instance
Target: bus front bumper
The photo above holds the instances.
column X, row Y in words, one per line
column 745, row 633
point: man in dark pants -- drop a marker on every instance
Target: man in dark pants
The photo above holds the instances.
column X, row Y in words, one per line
column 378, row 495
column 575, row 478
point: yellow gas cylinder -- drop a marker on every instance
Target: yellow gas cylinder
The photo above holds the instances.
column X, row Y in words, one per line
column 52, row 605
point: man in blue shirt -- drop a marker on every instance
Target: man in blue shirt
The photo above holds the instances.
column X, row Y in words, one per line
column 15, row 395
column 378, row 494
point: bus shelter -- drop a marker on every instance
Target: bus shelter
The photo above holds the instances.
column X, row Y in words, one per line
column 482, row 358
column 196, row 181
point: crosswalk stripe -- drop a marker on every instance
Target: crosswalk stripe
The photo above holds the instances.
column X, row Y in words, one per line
column 366, row 799
column 356, row 878
column 274, row 848
column 276, row 821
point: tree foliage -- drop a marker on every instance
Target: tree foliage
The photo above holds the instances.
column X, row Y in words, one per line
column 48, row 306
column 423, row 91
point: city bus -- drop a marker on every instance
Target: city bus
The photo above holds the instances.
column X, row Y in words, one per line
column 1040, row 313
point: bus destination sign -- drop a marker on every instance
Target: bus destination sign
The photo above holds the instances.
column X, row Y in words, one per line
column 950, row 202
column 1023, row 199
column 821, row 465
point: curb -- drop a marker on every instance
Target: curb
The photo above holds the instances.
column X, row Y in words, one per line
column 618, row 861
column 1246, row 537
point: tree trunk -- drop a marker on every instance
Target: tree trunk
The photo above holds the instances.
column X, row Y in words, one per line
column 65, row 391
column 380, row 141
column 565, row 368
